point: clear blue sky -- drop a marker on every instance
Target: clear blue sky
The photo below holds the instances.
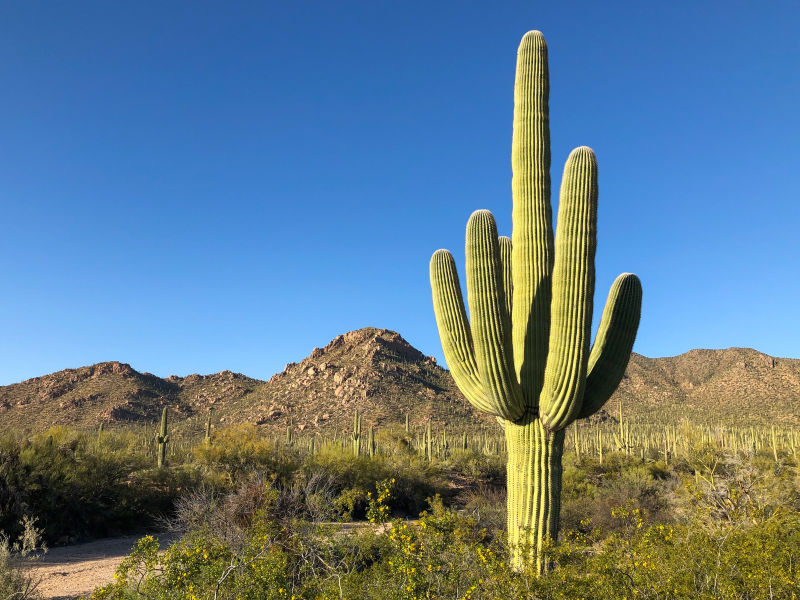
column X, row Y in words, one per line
column 198, row 186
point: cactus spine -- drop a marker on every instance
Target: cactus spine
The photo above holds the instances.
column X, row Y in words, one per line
column 525, row 354
column 162, row 439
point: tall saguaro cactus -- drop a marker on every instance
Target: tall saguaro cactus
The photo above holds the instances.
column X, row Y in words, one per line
column 524, row 355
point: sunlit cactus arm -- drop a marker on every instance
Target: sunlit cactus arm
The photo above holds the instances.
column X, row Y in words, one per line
column 614, row 342
column 532, row 235
column 454, row 331
column 573, row 291
column 489, row 319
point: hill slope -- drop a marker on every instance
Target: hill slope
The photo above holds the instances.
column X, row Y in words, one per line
column 377, row 372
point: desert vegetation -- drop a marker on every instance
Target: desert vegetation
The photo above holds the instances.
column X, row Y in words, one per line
column 678, row 512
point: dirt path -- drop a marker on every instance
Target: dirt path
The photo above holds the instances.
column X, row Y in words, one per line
column 68, row 572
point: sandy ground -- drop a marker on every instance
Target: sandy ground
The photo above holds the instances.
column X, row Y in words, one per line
column 69, row 572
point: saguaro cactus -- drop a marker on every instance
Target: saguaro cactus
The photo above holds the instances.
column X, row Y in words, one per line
column 208, row 426
column 356, row 435
column 162, row 439
column 524, row 355
column 371, row 441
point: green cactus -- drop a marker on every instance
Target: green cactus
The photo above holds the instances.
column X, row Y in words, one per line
column 428, row 446
column 371, row 441
column 162, row 439
column 208, row 426
column 525, row 354
column 356, row 435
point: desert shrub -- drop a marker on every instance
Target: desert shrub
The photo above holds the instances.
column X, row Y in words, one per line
column 489, row 469
column 15, row 557
column 74, row 484
column 240, row 450
column 591, row 491
column 80, row 485
column 352, row 477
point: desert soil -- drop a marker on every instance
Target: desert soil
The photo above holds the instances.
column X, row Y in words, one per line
column 69, row 572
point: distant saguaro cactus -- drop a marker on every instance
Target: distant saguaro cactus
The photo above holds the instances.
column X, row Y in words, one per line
column 356, row 435
column 208, row 426
column 162, row 439
column 525, row 354
column 371, row 441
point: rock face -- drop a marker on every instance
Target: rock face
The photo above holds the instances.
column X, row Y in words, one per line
column 381, row 375
column 375, row 371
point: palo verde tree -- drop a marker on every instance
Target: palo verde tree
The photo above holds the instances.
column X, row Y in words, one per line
column 524, row 355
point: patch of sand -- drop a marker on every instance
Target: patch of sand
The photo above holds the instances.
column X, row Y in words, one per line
column 69, row 572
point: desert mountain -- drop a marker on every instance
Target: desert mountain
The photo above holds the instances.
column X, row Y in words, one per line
column 380, row 374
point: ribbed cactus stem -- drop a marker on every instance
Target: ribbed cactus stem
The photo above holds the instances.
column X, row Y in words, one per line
column 356, row 435
column 428, row 442
column 534, row 490
column 600, row 445
column 525, row 354
column 162, row 439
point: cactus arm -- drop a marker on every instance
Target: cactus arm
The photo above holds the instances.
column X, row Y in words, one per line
column 573, row 291
column 505, row 261
column 489, row 318
column 614, row 342
column 532, row 236
column 454, row 332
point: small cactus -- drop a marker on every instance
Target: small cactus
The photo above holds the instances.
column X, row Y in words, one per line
column 428, row 442
column 162, row 439
column 371, row 441
column 208, row 426
column 356, row 435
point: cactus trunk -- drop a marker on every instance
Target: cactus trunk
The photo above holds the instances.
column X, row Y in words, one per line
column 162, row 438
column 356, row 435
column 534, row 490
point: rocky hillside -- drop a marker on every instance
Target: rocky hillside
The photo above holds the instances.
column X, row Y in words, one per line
column 377, row 372
column 736, row 386
column 373, row 370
